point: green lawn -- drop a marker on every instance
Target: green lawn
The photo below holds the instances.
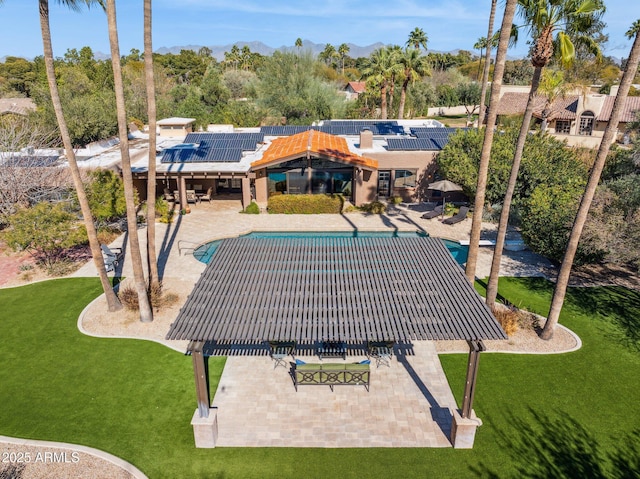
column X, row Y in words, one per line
column 570, row 415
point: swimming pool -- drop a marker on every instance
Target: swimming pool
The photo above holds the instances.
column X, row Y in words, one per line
column 459, row 252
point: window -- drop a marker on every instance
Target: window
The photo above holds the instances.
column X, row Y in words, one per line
column 563, row 126
column 586, row 123
column 404, row 179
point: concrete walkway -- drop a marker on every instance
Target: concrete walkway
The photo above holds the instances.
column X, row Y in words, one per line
column 409, row 404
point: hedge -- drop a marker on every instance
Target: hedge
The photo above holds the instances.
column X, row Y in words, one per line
column 305, row 204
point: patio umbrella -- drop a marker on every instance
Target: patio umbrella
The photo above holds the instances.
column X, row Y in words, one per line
column 444, row 186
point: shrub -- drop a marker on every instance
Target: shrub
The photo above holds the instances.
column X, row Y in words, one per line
column 163, row 212
column 395, row 200
column 375, row 207
column 508, row 319
column 129, row 297
column 45, row 231
column 252, row 209
column 305, row 204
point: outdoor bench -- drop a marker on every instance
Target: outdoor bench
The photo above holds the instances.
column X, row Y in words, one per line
column 331, row 374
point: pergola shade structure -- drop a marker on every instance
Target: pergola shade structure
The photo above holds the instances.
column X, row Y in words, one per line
column 333, row 289
column 346, row 289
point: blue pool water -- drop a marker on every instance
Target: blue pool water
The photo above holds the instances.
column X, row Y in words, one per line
column 204, row 252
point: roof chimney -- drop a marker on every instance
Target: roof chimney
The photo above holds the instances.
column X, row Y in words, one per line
column 366, row 139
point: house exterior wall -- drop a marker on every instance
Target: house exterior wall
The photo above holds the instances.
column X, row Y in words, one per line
column 174, row 131
column 423, row 162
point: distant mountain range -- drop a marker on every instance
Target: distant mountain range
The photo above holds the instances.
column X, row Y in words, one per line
column 217, row 51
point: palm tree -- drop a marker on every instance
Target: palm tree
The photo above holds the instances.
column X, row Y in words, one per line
column 552, row 87
column 492, row 41
column 594, row 178
column 152, row 262
column 414, row 66
column 544, row 18
column 378, row 70
column 395, row 68
column 485, row 155
column 343, row 50
column 113, row 303
column 298, row 43
column 146, row 314
column 417, row 39
column 328, row 54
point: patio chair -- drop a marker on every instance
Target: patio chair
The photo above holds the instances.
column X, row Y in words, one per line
column 168, row 196
column 191, row 196
column 207, row 196
column 279, row 350
column 111, row 257
column 437, row 211
column 461, row 215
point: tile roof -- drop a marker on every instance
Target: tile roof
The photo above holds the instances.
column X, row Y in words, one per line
column 513, row 103
column 358, row 86
column 316, row 142
column 629, row 112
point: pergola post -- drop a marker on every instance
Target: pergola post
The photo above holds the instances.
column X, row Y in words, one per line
column 205, row 420
column 465, row 422
column 475, row 348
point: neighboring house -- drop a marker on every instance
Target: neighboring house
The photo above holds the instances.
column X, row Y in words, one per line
column 175, row 127
column 353, row 89
column 16, row 106
column 578, row 119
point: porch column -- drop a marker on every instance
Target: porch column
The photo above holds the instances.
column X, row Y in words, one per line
column 205, row 419
column 465, row 422
column 182, row 191
column 246, row 192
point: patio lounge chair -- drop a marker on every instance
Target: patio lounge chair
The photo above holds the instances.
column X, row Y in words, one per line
column 437, row 211
column 191, row 196
column 461, row 215
column 111, row 257
column 168, row 196
column 207, row 195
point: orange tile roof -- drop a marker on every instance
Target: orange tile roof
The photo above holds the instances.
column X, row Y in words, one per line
column 358, row 86
column 315, row 142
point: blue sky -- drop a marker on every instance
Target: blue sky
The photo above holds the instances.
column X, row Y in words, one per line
column 449, row 24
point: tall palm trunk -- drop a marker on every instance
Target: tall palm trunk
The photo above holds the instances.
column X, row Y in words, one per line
column 383, row 100
column 146, row 314
column 590, row 190
column 487, row 62
column 403, row 96
column 485, row 156
column 113, row 303
column 152, row 261
column 492, row 286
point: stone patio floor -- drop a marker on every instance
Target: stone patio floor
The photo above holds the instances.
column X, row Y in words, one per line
column 409, row 404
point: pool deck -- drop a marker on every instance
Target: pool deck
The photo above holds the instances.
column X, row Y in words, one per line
column 409, row 403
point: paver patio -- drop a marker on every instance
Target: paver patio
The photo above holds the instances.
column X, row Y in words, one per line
column 409, row 404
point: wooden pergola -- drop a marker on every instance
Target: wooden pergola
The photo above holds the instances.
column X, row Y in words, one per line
column 348, row 289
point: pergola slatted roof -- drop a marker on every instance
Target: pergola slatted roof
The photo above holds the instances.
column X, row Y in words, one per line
column 333, row 289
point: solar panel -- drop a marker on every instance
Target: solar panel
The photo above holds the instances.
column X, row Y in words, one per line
column 286, row 130
column 201, row 155
column 200, row 137
column 411, row 144
column 30, row 161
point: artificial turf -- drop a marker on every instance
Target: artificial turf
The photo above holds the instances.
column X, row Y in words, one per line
column 568, row 415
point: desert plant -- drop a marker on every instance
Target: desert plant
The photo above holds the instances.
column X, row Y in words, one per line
column 508, row 319
column 252, row 208
column 375, row 207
